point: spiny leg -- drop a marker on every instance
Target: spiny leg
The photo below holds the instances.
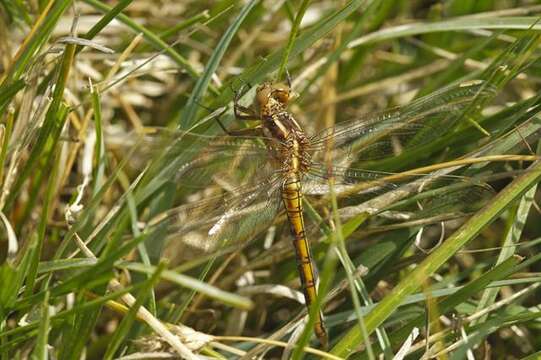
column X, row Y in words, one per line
column 254, row 131
column 217, row 117
column 243, row 112
column 288, row 79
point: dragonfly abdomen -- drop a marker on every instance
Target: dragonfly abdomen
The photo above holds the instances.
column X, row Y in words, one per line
column 292, row 198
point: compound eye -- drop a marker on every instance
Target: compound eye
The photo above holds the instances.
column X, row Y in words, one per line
column 282, row 95
column 262, row 95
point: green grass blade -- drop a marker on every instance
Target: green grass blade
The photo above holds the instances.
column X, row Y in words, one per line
column 186, row 24
column 460, row 24
column 40, row 351
column 103, row 267
column 8, row 91
column 191, row 283
column 188, row 115
column 50, row 132
column 107, row 18
column 456, row 241
column 292, row 35
column 447, row 304
column 42, row 231
column 258, row 72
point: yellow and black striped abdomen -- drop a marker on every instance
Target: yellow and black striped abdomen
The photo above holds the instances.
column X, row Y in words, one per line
column 292, row 198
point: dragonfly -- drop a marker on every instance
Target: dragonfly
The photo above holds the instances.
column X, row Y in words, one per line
column 258, row 171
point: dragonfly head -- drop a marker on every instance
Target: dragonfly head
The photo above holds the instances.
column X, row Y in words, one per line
column 275, row 93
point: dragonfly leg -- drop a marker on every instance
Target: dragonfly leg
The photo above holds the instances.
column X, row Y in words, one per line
column 244, row 88
column 217, row 117
column 291, row 93
column 242, row 112
column 222, row 126
column 288, row 79
column 198, row 103
column 238, row 93
column 254, row 131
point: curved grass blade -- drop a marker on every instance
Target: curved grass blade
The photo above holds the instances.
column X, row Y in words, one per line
column 426, row 268
column 292, row 35
column 191, row 283
column 8, row 91
column 187, row 119
column 517, row 220
column 460, row 24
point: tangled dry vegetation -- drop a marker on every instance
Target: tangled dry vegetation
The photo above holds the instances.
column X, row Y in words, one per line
column 93, row 94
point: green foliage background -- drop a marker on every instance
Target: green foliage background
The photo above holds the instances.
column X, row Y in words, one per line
column 80, row 82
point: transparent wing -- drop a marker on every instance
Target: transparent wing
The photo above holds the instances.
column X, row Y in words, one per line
column 195, row 160
column 414, row 195
column 422, row 121
column 229, row 186
column 225, row 219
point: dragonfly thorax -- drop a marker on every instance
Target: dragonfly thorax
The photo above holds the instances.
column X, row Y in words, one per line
column 279, row 124
column 293, row 155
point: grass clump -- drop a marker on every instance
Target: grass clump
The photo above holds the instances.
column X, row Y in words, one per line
column 106, row 214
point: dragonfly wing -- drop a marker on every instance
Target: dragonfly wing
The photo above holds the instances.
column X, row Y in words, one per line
column 414, row 194
column 224, row 219
column 346, row 180
column 389, row 132
column 195, row 160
